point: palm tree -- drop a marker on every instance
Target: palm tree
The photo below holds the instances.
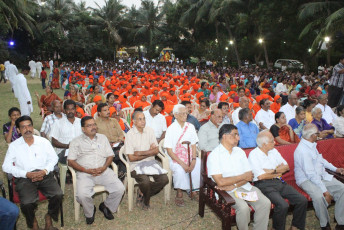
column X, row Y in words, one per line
column 323, row 18
column 149, row 23
column 227, row 12
column 110, row 19
column 18, row 14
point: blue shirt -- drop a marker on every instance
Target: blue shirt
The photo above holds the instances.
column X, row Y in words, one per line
column 310, row 165
column 297, row 127
column 248, row 134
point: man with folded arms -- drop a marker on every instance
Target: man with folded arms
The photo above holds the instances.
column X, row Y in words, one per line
column 228, row 166
column 31, row 160
column 268, row 166
column 311, row 176
column 90, row 154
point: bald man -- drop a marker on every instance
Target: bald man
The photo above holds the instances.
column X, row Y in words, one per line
column 208, row 134
column 49, row 120
column 268, row 166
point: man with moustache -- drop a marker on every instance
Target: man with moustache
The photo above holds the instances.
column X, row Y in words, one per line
column 31, row 160
column 51, row 119
column 91, row 155
column 208, row 134
column 65, row 130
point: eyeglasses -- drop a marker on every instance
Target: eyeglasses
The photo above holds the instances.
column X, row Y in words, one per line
column 91, row 125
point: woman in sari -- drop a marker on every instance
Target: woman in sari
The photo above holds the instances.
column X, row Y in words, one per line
column 215, row 95
column 55, row 83
column 44, row 103
column 282, row 132
column 308, row 105
column 326, row 131
column 75, row 95
column 203, row 112
column 96, row 91
column 298, row 122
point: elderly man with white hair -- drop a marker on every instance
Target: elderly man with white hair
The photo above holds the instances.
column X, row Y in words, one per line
column 328, row 113
column 311, row 176
column 268, row 166
column 177, row 133
column 289, row 108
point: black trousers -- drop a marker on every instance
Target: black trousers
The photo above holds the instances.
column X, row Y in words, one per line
column 277, row 191
column 28, row 195
column 147, row 187
column 334, row 94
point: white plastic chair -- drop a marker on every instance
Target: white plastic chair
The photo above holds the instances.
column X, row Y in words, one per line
column 166, row 165
column 127, row 113
column 88, row 108
column 149, row 98
column 131, row 182
column 96, row 189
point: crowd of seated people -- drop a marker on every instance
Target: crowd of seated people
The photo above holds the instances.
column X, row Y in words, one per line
column 141, row 106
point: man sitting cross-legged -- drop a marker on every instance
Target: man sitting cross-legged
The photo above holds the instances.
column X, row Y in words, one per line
column 91, row 155
column 31, row 159
column 141, row 147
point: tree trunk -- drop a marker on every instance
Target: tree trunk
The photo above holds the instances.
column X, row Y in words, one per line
column 234, row 44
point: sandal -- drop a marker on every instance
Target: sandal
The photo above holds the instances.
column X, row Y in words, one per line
column 179, row 201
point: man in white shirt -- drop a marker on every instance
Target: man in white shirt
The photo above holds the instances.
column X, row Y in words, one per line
column 265, row 118
column 65, row 130
column 281, row 87
column 51, row 65
column 229, row 168
column 31, row 160
column 311, row 176
column 39, row 67
column 243, row 103
column 155, row 120
column 289, row 108
column 32, row 65
column 327, row 112
column 51, row 119
column 22, row 92
column 11, row 72
column 268, row 166
column 178, row 132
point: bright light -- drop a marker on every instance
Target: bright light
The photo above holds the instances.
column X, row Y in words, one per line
column 216, row 40
column 11, row 43
column 231, row 42
column 309, row 50
column 260, row 40
column 284, row 42
column 226, row 48
column 157, row 47
column 327, row 39
column 141, row 47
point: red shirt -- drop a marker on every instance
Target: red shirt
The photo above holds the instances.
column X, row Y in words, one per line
column 43, row 74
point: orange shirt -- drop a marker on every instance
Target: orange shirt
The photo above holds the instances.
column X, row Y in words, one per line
column 168, row 120
column 133, row 99
column 141, row 104
column 146, row 91
column 275, row 107
column 155, row 98
column 173, row 98
column 94, row 110
column 124, row 105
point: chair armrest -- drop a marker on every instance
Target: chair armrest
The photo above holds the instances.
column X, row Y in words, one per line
column 338, row 176
column 222, row 194
column 114, row 168
column 72, row 171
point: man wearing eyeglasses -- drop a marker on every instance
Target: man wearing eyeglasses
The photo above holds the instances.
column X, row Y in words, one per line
column 311, row 176
column 90, row 154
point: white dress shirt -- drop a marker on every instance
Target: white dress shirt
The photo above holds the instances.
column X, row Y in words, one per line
column 265, row 117
column 220, row 162
column 22, row 158
column 235, row 116
column 174, row 132
column 327, row 112
column 338, row 124
column 289, row 111
column 157, row 123
column 64, row 131
column 281, row 88
column 260, row 161
column 310, row 165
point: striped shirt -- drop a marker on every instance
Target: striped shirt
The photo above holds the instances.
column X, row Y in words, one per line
column 48, row 123
column 337, row 79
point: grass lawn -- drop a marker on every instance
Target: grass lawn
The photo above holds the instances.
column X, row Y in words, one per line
column 160, row 216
